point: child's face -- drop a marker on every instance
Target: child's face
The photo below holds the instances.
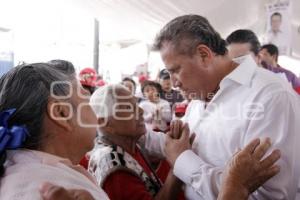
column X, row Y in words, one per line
column 151, row 93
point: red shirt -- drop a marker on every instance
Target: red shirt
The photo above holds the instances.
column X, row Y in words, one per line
column 84, row 162
column 122, row 185
column 297, row 90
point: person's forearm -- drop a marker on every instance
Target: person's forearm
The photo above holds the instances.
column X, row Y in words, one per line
column 170, row 189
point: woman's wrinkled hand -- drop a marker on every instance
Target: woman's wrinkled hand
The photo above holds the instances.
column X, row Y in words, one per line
column 247, row 170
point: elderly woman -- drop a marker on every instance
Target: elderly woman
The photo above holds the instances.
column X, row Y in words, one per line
column 117, row 160
column 42, row 134
column 120, row 168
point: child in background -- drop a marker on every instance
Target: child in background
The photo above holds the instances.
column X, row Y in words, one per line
column 157, row 112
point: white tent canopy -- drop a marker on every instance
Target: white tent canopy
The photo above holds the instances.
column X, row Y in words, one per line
column 141, row 19
column 126, row 20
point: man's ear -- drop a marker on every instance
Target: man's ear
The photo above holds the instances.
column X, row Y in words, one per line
column 60, row 113
column 204, row 52
column 275, row 57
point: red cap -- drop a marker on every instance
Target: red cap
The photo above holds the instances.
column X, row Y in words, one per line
column 180, row 108
column 142, row 78
column 88, row 77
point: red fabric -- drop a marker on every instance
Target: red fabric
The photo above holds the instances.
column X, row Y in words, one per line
column 162, row 173
column 298, row 90
column 142, row 78
column 84, row 162
column 180, row 108
column 88, row 71
column 163, row 170
column 122, row 185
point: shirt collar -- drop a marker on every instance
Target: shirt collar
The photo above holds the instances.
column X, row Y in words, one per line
column 26, row 155
column 51, row 159
column 243, row 73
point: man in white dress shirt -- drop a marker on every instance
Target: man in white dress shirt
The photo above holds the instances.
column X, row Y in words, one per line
column 234, row 102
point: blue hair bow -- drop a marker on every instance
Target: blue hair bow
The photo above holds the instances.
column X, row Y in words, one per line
column 13, row 137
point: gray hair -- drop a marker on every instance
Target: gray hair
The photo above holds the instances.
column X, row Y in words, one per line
column 187, row 32
column 64, row 66
column 27, row 88
column 104, row 99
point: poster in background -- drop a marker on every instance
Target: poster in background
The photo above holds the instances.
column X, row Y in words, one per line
column 278, row 30
column 6, row 51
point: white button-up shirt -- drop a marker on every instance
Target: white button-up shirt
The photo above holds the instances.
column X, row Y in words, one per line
column 251, row 103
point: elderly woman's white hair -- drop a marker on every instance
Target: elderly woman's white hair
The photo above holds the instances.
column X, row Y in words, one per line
column 103, row 99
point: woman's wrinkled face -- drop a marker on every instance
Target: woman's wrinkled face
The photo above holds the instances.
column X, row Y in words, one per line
column 127, row 119
column 83, row 118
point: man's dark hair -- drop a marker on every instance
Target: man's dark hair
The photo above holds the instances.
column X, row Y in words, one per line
column 271, row 49
column 164, row 74
column 276, row 14
column 244, row 36
column 187, row 32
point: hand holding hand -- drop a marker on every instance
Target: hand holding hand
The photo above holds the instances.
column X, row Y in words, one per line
column 177, row 141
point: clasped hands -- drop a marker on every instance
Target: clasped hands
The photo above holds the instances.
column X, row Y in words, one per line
column 246, row 170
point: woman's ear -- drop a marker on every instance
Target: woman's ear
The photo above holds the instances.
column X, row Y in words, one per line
column 60, row 113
